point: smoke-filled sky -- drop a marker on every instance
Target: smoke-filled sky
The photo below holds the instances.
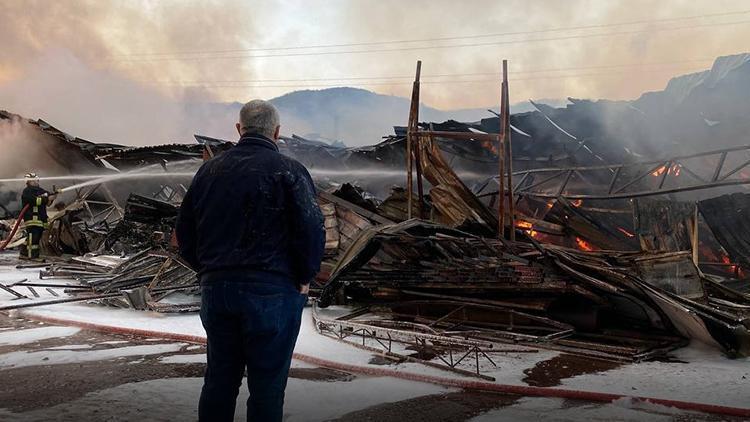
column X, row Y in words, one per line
column 99, row 68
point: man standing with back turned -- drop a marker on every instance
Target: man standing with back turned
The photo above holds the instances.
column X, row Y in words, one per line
column 251, row 226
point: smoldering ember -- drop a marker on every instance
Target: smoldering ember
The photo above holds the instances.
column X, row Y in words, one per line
column 598, row 251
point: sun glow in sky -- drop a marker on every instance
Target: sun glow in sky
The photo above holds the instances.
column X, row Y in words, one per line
column 240, row 49
column 123, row 70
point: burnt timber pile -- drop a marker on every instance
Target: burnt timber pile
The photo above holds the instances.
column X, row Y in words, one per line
column 551, row 229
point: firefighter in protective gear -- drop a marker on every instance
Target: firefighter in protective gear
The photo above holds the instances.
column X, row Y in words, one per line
column 35, row 217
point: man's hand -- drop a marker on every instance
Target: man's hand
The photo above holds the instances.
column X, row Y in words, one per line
column 304, row 288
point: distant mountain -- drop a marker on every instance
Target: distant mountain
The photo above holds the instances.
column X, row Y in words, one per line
column 355, row 116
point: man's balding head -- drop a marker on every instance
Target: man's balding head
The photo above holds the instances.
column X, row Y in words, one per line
column 259, row 117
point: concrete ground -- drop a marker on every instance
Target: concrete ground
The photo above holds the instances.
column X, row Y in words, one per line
column 60, row 373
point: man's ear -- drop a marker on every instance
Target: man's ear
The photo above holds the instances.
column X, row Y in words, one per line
column 239, row 128
column 276, row 133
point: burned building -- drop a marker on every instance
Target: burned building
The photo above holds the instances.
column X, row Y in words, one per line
column 607, row 232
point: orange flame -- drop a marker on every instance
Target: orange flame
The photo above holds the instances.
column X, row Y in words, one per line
column 577, row 202
column 523, row 224
column 659, row 171
column 490, row 146
column 583, row 245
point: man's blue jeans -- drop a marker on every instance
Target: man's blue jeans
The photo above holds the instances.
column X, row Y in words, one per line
column 251, row 325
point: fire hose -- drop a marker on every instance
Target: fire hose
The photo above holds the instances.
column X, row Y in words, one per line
column 15, row 228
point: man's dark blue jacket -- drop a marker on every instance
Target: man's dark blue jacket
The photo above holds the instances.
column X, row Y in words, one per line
column 251, row 214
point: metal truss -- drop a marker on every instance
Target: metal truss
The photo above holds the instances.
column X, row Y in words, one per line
column 418, row 337
column 707, row 170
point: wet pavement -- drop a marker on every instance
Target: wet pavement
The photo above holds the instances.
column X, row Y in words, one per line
column 549, row 373
column 50, row 372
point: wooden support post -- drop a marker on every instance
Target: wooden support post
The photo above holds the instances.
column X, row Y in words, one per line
column 694, row 235
column 509, row 151
column 501, row 167
column 410, row 137
column 418, row 162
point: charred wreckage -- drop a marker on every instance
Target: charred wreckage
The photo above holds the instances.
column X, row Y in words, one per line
column 543, row 230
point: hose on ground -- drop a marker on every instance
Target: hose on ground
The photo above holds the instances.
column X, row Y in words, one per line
column 15, row 228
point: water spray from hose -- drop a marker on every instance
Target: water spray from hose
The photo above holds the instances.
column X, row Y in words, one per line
column 125, row 176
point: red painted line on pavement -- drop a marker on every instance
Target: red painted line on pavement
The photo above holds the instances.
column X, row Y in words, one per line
column 448, row 382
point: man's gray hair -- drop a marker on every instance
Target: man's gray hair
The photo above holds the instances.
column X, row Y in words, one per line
column 259, row 117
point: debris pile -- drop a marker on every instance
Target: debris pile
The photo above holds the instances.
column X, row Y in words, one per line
column 149, row 280
column 146, row 223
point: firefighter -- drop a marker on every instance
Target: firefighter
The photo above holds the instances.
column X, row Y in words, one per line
column 35, row 217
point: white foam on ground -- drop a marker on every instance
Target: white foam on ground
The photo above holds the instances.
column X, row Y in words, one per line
column 55, row 357
column 709, row 377
column 197, row 358
column 559, row 410
column 32, row 335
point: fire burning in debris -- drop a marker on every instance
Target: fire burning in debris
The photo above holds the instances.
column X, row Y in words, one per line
column 659, row 171
column 490, row 146
column 674, row 170
column 523, row 224
column 527, row 227
column 733, row 268
column 583, row 245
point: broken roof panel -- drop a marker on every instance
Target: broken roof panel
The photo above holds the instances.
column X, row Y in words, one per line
column 728, row 216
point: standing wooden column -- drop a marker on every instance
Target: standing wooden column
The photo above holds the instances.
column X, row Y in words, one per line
column 418, row 162
column 411, row 137
column 509, row 151
column 694, row 235
column 501, row 167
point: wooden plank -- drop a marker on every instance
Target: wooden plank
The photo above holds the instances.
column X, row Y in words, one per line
column 509, row 150
column 412, row 127
column 353, row 207
column 501, row 167
column 353, row 219
column 327, row 209
column 463, row 136
column 13, row 292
